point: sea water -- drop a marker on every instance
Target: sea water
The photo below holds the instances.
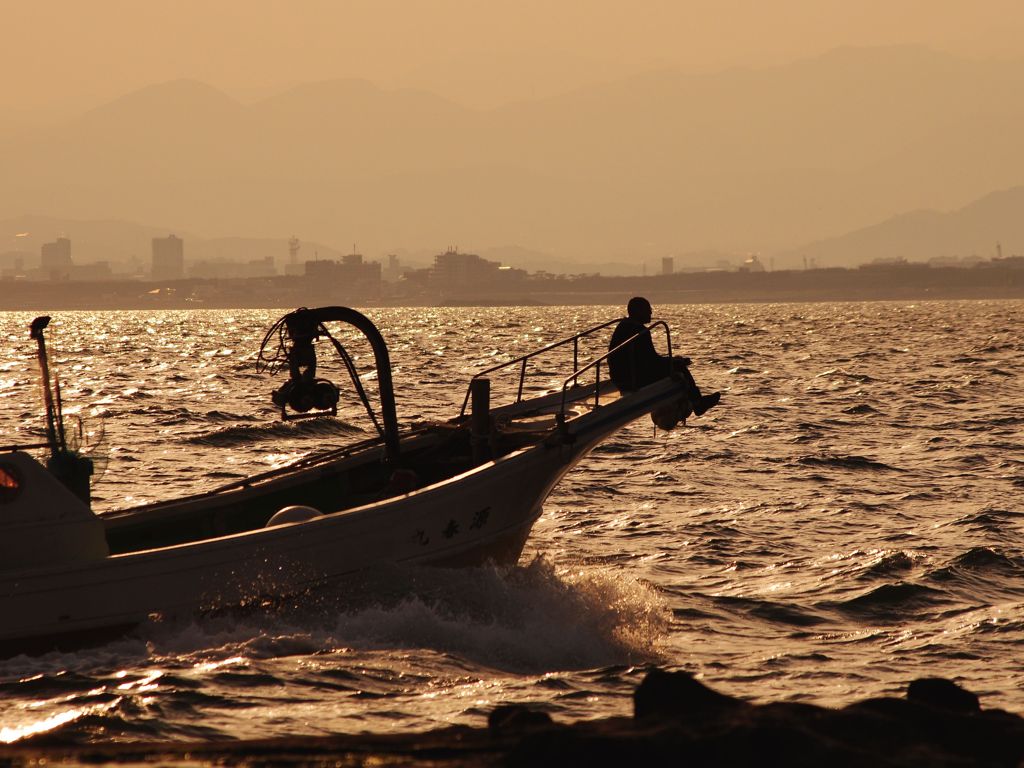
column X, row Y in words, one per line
column 847, row 520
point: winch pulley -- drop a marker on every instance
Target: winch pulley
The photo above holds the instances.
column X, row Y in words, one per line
column 306, row 395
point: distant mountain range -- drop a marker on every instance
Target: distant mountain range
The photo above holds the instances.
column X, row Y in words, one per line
column 627, row 172
column 974, row 230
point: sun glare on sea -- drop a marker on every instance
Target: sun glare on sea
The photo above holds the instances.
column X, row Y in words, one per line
column 10, row 735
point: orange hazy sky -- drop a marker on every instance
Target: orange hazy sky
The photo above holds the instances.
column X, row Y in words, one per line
column 66, row 55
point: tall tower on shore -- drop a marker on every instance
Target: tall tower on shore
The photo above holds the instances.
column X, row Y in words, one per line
column 56, row 259
column 168, row 258
column 293, row 267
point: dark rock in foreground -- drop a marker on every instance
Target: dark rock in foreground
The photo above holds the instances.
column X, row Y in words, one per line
column 677, row 721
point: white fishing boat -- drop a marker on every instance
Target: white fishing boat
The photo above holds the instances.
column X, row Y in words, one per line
column 462, row 492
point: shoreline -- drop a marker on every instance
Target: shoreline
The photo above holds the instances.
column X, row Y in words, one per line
column 819, row 285
column 616, row 299
column 677, row 720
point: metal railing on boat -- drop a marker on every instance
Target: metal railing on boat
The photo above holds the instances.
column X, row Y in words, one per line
column 523, row 361
column 597, row 363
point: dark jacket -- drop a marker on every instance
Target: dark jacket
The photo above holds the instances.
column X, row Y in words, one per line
column 637, row 364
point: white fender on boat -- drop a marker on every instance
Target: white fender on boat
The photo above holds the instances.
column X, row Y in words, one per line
column 42, row 523
column 293, row 514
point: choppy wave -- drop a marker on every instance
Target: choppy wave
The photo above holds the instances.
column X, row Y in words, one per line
column 528, row 619
column 897, row 601
column 890, row 564
column 844, row 462
column 244, row 434
column 532, row 619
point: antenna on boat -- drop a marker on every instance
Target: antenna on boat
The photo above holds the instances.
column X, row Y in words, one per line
column 54, row 436
column 70, row 468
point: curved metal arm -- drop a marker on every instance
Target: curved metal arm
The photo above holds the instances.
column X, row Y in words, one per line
column 381, row 358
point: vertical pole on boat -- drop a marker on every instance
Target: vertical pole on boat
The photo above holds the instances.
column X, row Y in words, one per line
column 68, row 467
column 480, row 417
column 36, row 332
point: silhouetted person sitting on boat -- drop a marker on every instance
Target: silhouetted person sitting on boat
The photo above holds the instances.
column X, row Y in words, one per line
column 638, row 364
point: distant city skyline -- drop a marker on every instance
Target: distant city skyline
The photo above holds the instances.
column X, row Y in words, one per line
column 986, row 228
column 447, row 269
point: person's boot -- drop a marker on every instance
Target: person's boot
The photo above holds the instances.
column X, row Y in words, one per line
column 704, row 403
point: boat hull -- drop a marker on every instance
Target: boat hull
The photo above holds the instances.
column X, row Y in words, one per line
column 482, row 515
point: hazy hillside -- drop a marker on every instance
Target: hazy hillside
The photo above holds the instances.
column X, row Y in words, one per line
column 921, row 235
column 653, row 165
